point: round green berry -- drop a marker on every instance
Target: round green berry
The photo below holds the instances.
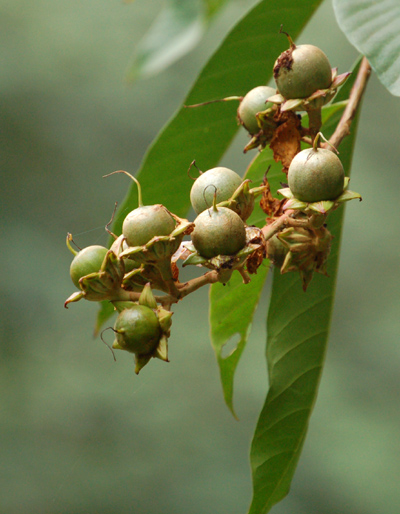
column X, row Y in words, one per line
column 146, row 222
column 88, row 260
column 315, row 175
column 220, row 181
column 302, row 70
column 137, row 330
column 218, row 232
column 254, row 102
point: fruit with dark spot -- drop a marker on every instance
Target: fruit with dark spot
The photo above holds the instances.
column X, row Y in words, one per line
column 302, row 70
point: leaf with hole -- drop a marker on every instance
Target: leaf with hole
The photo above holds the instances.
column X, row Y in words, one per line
column 298, row 327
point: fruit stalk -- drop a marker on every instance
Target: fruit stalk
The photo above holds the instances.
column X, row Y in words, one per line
column 285, row 220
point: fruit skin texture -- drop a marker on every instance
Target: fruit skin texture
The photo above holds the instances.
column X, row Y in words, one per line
column 302, row 70
column 138, row 330
column 276, row 251
column 88, row 260
column 225, row 182
column 253, row 102
column 316, row 175
column 218, row 232
column 146, row 222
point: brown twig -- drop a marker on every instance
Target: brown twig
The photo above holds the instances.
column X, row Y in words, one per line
column 285, row 220
column 343, row 128
column 180, row 291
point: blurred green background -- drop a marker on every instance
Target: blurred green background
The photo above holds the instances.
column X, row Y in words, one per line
column 81, row 434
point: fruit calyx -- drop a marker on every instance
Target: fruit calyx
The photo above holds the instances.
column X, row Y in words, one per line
column 249, row 253
column 307, row 251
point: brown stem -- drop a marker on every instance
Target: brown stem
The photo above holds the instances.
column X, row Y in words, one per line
column 343, row 128
column 180, row 291
column 192, row 285
column 284, row 220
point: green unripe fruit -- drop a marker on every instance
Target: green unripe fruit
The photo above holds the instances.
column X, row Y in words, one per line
column 220, row 180
column 218, row 232
column 302, row 70
column 315, row 175
column 146, row 222
column 137, row 330
column 255, row 101
column 276, row 251
column 88, row 260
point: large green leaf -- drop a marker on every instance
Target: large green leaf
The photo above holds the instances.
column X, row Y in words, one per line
column 177, row 29
column 231, row 312
column 298, row 328
column 232, row 307
column 373, row 28
column 213, row 6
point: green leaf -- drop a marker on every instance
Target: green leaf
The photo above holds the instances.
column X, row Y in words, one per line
column 225, row 322
column 104, row 313
column 213, row 6
column 176, row 30
column 373, row 28
column 298, row 328
column 231, row 312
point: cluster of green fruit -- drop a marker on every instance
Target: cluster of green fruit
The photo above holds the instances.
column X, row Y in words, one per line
column 143, row 258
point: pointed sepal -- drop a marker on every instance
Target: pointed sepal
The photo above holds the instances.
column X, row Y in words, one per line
column 294, row 203
column 161, row 351
column 141, row 361
column 286, row 192
column 164, row 318
column 147, row 298
column 322, row 207
column 75, row 297
column 348, row 195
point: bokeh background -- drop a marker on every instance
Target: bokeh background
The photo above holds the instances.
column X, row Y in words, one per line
column 81, row 434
